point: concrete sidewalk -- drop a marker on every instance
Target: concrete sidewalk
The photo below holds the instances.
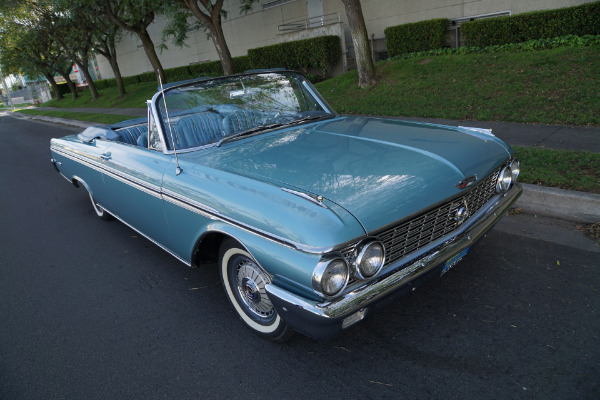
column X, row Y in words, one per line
column 574, row 206
column 137, row 112
column 556, row 137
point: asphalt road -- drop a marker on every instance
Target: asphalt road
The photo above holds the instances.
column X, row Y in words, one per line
column 90, row 310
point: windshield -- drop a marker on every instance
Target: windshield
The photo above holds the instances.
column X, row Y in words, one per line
column 213, row 111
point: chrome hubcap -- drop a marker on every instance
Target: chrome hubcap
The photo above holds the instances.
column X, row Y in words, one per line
column 251, row 282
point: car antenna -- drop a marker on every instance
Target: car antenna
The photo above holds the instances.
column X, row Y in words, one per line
column 162, row 90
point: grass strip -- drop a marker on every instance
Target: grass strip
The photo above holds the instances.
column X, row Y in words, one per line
column 109, row 98
column 81, row 116
column 572, row 170
column 556, row 86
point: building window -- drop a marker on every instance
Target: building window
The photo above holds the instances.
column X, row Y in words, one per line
column 274, row 3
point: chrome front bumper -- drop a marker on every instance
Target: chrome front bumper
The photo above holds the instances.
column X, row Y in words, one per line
column 324, row 320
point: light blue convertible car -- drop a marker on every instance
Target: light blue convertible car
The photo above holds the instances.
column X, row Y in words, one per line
column 312, row 218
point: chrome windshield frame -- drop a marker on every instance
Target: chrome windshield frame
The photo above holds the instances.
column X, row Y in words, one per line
column 160, row 123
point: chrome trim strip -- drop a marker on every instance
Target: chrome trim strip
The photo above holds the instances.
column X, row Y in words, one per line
column 194, row 206
column 189, row 204
column 132, row 181
column 385, row 285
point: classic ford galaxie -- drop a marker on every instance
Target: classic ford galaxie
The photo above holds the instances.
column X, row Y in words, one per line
column 312, row 218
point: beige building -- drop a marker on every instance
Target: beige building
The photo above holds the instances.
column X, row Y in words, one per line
column 275, row 21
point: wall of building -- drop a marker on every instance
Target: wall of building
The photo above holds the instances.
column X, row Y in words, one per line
column 260, row 27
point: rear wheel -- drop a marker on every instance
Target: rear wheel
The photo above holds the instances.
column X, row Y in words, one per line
column 244, row 282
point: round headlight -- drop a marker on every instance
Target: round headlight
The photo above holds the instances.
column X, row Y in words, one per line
column 515, row 167
column 331, row 277
column 504, row 180
column 370, row 260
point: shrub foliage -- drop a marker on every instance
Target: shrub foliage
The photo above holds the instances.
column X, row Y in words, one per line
column 320, row 52
column 418, row 36
column 580, row 21
column 530, row 45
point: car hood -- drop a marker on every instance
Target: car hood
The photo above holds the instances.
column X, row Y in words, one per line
column 379, row 170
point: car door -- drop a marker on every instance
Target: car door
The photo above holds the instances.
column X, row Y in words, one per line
column 133, row 186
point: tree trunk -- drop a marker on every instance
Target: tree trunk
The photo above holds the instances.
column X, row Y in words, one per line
column 107, row 50
column 152, row 56
column 50, row 79
column 86, row 73
column 112, row 52
column 360, row 40
column 213, row 24
column 72, row 87
column 117, row 72
column 218, row 39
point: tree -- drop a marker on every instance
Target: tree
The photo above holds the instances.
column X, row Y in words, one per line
column 73, row 32
column 360, row 40
column 28, row 45
column 208, row 13
column 98, row 30
column 104, row 42
column 135, row 16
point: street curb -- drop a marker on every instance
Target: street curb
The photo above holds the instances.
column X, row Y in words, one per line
column 566, row 204
column 62, row 121
column 542, row 200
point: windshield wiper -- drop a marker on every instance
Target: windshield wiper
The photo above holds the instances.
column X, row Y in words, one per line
column 271, row 126
column 310, row 118
column 247, row 132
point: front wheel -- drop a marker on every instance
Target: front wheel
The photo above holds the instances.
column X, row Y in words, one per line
column 244, row 282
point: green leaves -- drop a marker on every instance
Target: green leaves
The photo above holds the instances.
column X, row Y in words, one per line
column 418, row 36
column 530, row 45
column 320, row 53
column 580, row 21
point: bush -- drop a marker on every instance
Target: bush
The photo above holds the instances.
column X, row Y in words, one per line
column 418, row 36
column 177, row 74
column 131, row 80
column 580, row 21
column 147, row 77
column 241, row 64
column 320, row 52
column 207, row 68
column 530, row 45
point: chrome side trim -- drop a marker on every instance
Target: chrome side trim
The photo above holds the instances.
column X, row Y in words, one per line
column 192, row 205
column 189, row 204
column 132, row 181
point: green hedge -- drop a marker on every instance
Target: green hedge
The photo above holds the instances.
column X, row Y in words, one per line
column 530, row 45
column 418, row 36
column 321, row 53
column 580, row 21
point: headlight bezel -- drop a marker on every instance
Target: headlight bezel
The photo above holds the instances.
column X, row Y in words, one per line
column 515, row 167
column 320, row 273
column 504, row 181
column 361, row 250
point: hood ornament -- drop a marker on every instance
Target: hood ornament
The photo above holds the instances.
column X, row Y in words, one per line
column 465, row 183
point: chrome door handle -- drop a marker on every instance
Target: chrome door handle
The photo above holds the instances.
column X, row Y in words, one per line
column 105, row 156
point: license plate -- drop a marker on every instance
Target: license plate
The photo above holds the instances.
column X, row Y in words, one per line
column 454, row 260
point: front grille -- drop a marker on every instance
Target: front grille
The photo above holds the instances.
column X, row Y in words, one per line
column 411, row 235
column 421, row 230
